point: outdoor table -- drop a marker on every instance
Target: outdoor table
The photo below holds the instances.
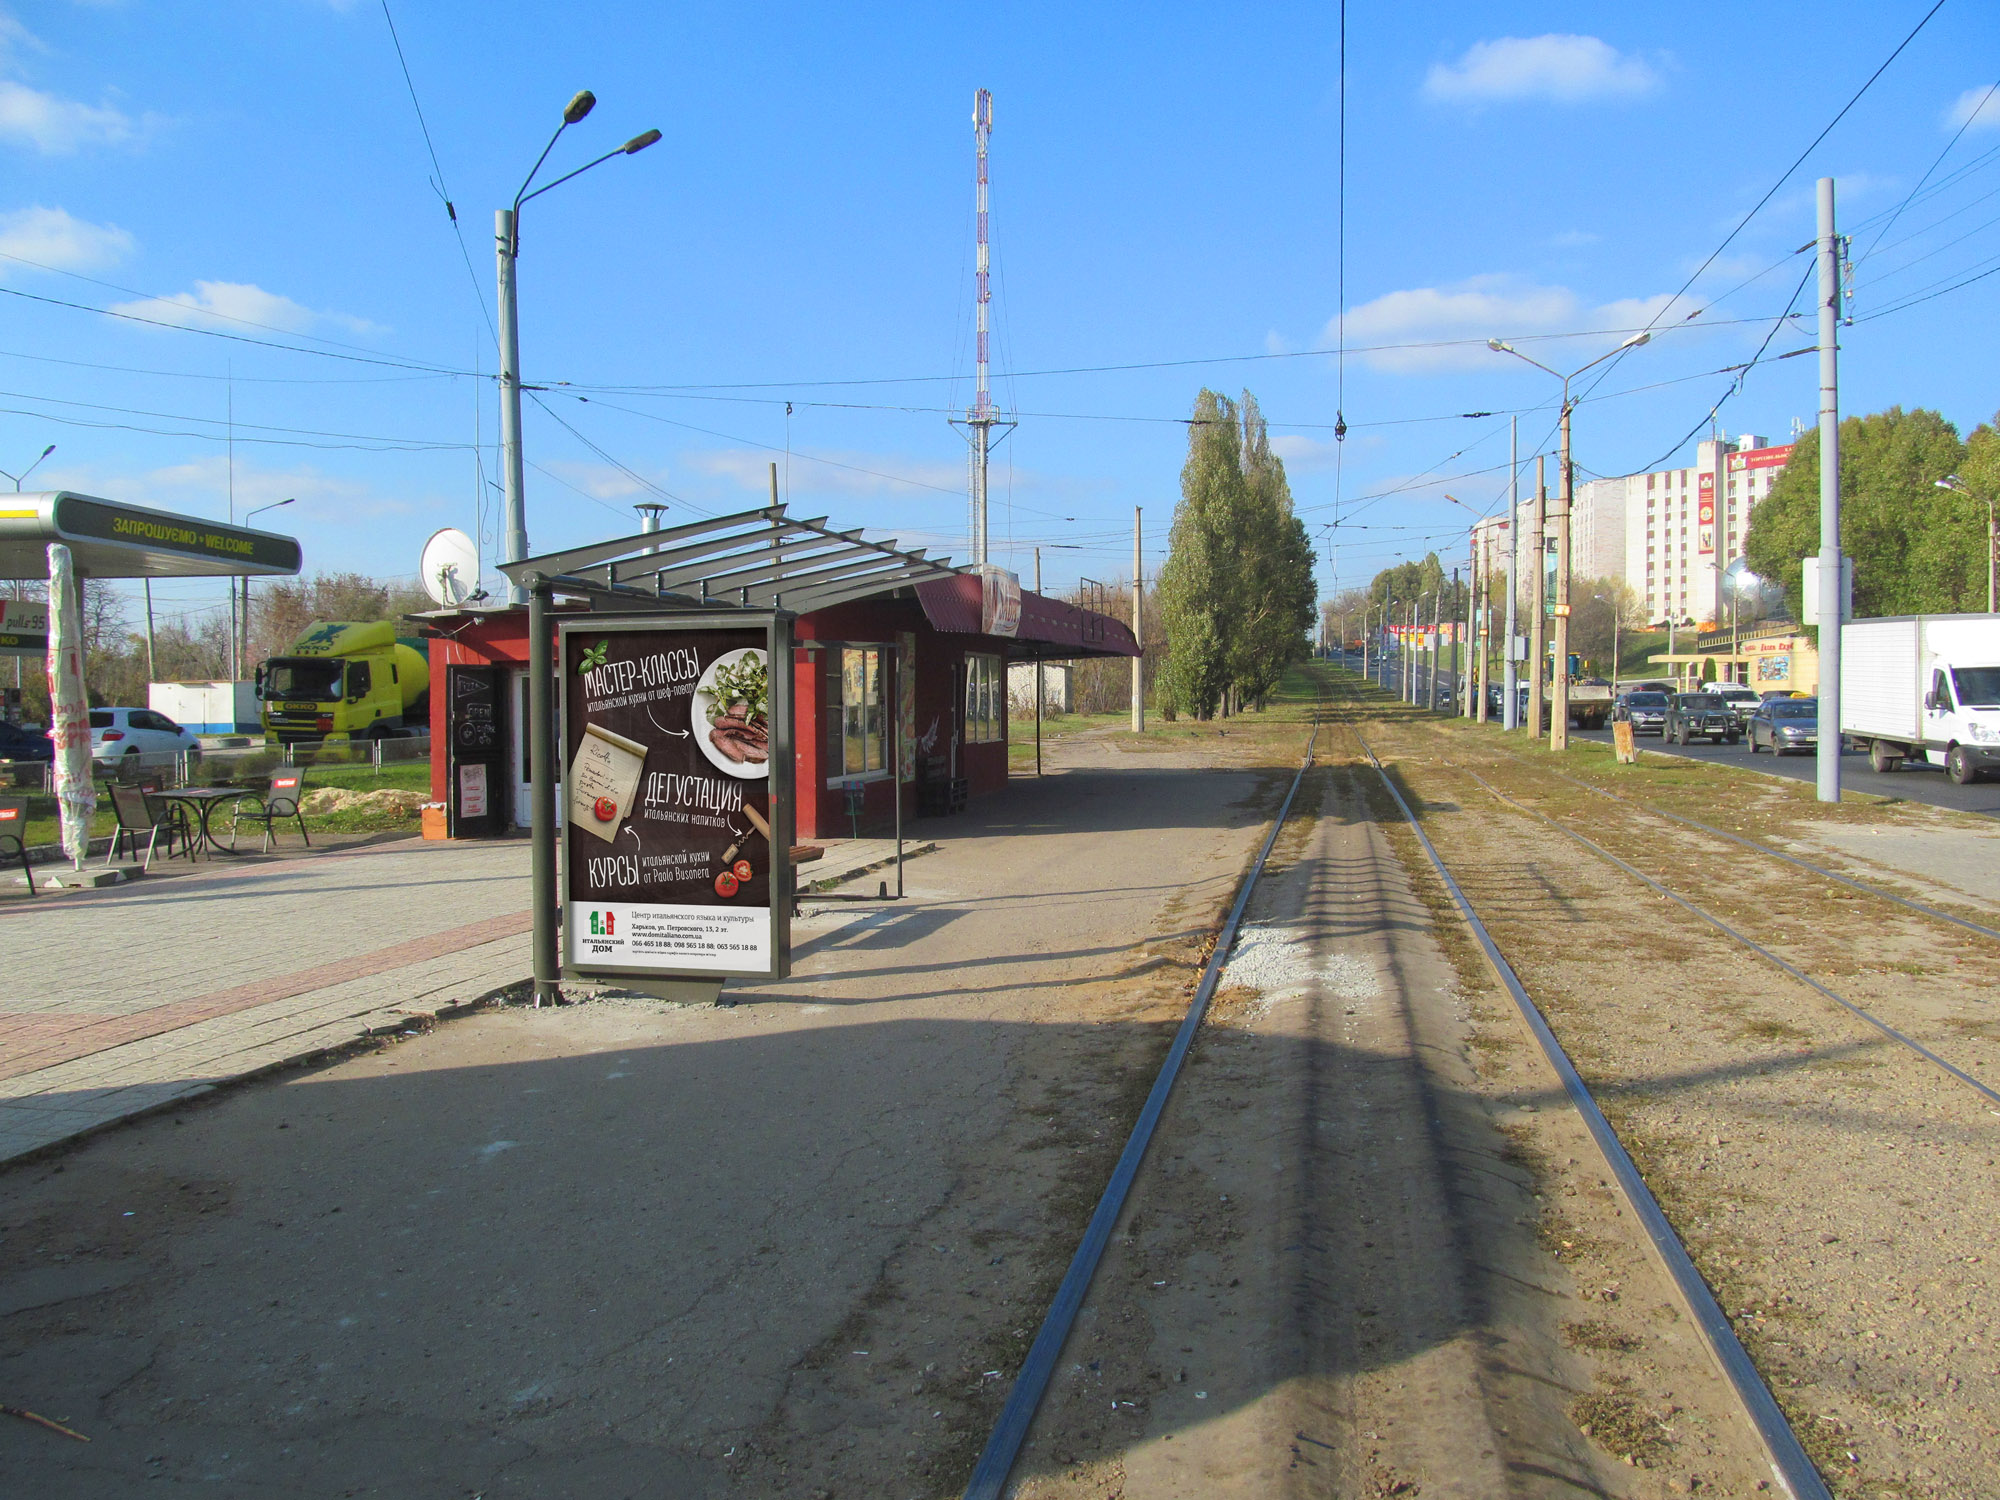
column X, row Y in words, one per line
column 204, row 800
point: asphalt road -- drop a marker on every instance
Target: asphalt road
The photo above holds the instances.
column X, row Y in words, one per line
column 1913, row 783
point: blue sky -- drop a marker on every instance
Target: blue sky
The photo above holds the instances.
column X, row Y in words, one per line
column 1165, row 195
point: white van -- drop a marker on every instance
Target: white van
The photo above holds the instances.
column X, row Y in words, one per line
column 1923, row 686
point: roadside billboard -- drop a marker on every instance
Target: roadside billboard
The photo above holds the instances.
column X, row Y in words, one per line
column 676, row 832
column 24, row 627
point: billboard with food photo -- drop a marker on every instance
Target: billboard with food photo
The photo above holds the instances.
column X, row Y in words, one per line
column 676, row 832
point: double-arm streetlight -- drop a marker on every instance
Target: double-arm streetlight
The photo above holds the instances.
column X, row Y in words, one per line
column 507, row 239
column 1959, row 487
column 1559, row 709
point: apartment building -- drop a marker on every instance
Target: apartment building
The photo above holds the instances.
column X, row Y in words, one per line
column 1669, row 534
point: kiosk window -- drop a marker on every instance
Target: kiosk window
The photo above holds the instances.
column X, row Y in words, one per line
column 864, row 712
column 985, row 689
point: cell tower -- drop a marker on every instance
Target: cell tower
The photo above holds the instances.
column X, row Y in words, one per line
column 980, row 421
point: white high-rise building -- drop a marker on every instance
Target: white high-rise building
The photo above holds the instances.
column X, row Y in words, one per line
column 1667, row 535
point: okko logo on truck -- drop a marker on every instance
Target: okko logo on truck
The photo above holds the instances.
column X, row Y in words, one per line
column 669, row 855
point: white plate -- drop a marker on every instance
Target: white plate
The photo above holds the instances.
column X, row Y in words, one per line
column 698, row 717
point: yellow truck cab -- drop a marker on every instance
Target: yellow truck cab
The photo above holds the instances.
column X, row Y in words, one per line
column 346, row 681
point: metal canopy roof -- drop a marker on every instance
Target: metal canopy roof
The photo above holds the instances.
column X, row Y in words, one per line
column 755, row 559
column 113, row 540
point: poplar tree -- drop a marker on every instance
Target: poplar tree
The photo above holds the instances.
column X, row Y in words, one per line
column 1237, row 592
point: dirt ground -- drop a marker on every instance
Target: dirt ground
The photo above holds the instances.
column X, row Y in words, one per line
column 1372, row 1253
column 629, row 1249
column 797, row 1246
column 1836, row 1190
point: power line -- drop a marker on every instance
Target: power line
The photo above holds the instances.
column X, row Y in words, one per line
column 1910, row 197
column 1772, row 191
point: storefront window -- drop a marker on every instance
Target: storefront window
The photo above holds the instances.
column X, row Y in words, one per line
column 863, row 712
column 985, row 699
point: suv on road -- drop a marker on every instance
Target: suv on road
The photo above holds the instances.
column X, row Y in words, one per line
column 1741, row 700
column 1646, row 712
column 1693, row 716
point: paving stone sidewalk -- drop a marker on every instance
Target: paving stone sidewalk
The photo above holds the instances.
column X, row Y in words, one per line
column 128, row 998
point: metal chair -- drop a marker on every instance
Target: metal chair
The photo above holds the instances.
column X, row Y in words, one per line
column 277, row 803
column 13, row 825
column 137, row 814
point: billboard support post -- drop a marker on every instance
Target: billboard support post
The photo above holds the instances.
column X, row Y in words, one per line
column 542, row 791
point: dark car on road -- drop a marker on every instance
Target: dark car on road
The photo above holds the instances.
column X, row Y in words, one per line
column 1645, row 712
column 17, row 743
column 1782, row 725
column 1696, row 716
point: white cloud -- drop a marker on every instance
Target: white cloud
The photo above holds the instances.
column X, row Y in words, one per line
column 235, row 304
column 1573, row 239
column 602, row 481
column 60, row 127
column 51, row 237
column 1976, row 109
column 1463, row 316
column 1559, row 68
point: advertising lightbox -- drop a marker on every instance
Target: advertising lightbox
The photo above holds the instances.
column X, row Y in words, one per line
column 677, row 803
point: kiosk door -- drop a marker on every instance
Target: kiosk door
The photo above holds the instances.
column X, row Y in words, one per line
column 476, row 803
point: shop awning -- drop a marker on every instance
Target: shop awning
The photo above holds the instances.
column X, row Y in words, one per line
column 1050, row 629
column 108, row 539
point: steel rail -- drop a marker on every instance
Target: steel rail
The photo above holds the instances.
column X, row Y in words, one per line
column 1790, row 1465
column 1003, row 1446
column 1790, row 859
column 1755, row 947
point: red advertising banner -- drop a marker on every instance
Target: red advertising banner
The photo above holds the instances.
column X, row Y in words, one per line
column 1704, row 513
column 1760, row 458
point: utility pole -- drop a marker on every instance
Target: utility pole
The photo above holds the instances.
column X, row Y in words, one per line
column 1559, row 709
column 1830, row 567
column 152, row 671
column 1437, row 642
column 1364, row 642
column 1138, row 629
column 1454, row 634
column 507, row 250
column 1410, row 653
column 1538, row 622
column 1039, row 689
column 1510, row 710
column 1482, row 635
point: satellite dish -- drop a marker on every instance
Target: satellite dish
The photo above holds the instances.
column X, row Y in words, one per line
column 449, row 567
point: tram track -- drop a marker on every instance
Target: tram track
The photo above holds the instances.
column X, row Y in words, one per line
column 1831, row 1167
column 1790, row 1465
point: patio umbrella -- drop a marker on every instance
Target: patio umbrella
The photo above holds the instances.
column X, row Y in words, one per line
column 69, row 709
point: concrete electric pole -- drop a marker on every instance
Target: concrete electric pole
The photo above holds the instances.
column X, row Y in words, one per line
column 1510, row 710
column 1538, row 608
column 1559, row 709
column 1830, row 567
column 1138, row 627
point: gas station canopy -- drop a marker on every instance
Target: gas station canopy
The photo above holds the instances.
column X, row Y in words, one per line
column 108, row 539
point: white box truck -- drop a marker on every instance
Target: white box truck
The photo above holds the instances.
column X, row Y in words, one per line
column 1923, row 686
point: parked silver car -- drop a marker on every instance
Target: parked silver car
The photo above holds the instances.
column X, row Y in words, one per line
column 1783, row 725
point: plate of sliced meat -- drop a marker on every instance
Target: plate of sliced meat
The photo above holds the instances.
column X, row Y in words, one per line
column 731, row 714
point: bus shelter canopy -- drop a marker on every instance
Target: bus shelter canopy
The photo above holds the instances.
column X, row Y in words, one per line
column 108, row 539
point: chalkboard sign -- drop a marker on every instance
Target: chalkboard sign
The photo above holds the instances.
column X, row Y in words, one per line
column 476, row 730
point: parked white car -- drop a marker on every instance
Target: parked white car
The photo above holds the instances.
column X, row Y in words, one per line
column 116, row 733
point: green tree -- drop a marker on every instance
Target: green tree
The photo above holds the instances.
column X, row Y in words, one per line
column 1913, row 551
column 1200, row 581
column 1237, row 592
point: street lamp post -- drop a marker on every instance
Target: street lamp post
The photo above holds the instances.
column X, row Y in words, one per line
column 1559, row 710
column 243, row 639
column 17, row 478
column 1958, row 486
column 507, row 244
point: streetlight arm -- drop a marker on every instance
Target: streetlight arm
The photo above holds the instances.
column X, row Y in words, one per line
column 1499, row 348
column 621, row 151
column 524, row 195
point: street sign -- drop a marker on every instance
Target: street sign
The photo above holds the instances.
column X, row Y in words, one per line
column 677, row 804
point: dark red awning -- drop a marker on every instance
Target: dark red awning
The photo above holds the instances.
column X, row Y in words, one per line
column 1050, row 628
